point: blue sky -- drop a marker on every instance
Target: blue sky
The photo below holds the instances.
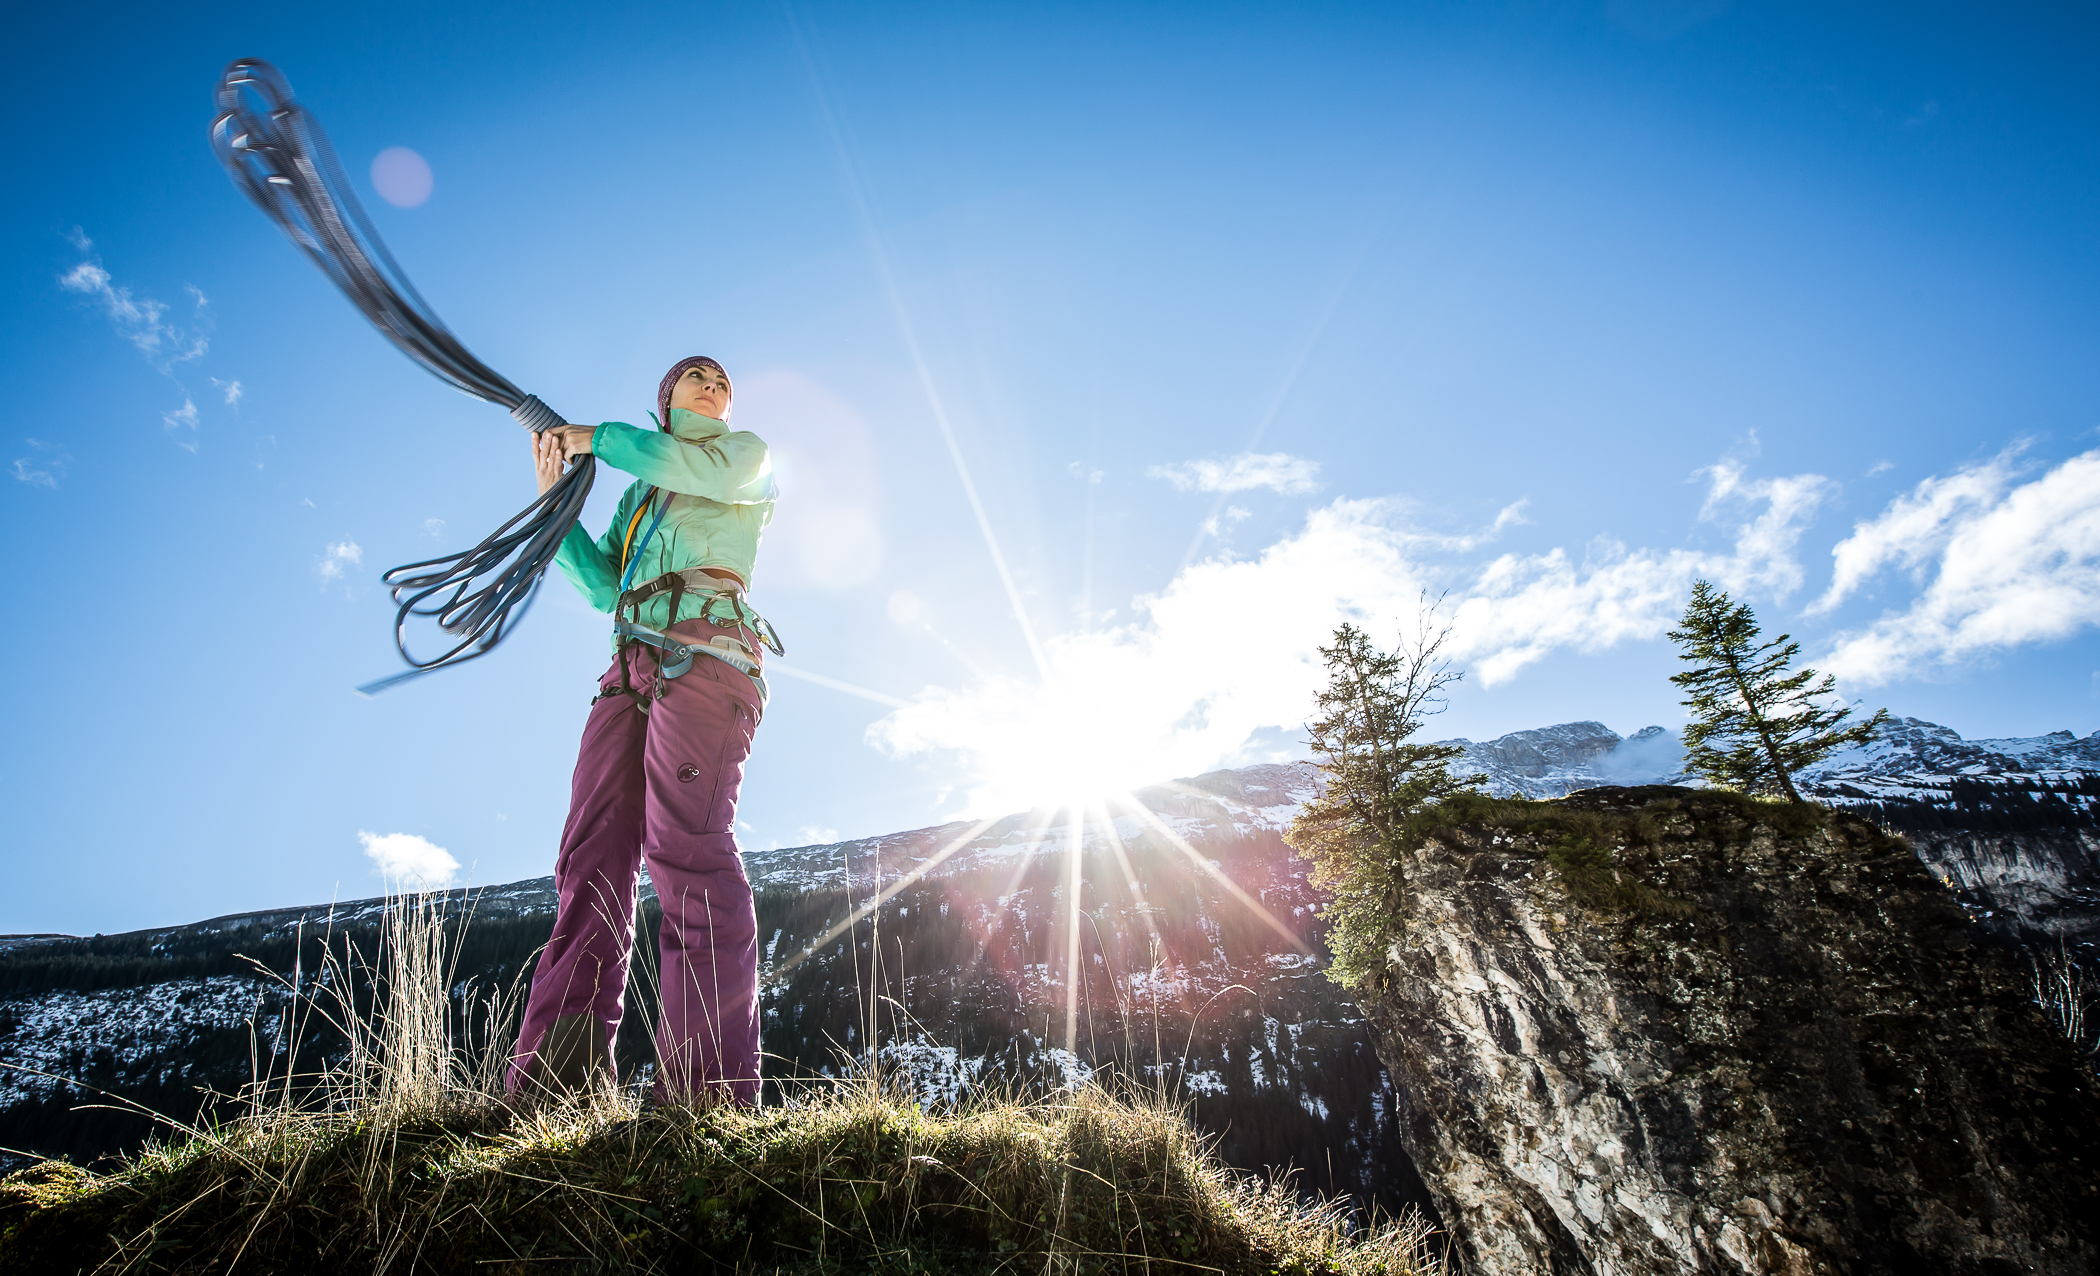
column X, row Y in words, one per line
column 1548, row 309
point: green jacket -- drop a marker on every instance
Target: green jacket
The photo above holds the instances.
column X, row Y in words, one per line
column 720, row 490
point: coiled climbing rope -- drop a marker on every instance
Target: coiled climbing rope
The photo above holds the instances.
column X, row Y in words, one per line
column 279, row 157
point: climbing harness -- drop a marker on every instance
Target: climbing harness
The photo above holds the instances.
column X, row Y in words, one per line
column 277, row 154
column 725, row 608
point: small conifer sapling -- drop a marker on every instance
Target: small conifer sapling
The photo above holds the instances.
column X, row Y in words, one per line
column 1754, row 725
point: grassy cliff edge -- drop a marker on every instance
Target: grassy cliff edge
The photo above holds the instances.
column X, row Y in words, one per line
column 849, row 1178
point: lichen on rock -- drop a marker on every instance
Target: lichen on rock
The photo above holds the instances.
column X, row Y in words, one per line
column 1661, row 1030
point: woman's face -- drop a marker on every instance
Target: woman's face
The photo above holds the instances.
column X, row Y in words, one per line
column 704, row 390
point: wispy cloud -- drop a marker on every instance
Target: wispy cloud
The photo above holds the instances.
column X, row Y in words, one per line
column 1226, row 518
column 146, row 324
column 2010, row 563
column 44, row 466
column 1521, row 608
column 338, row 558
column 1917, row 526
column 140, row 320
column 410, row 861
column 1765, row 544
column 1277, row 471
column 1226, row 652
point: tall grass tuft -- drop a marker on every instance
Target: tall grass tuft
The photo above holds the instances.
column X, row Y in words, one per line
column 401, row 1154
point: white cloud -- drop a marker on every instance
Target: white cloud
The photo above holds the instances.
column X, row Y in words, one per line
column 1523, row 607
column 144, row 322
column 337, row 558
column 140, row 320
column 1227, row 650
column 433, row 527
column 409, row 861
column 817, row 835
column 231, row 389
column 2014, row 565
column 1916, row 527
column 44, row 466
column 1764, row 557
column 1277, row 471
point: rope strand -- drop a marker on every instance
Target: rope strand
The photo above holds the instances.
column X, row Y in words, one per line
column 278, row 156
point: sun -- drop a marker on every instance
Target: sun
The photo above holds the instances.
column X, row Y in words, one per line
column 1064, row 756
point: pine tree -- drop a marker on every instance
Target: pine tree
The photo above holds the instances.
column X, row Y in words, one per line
column 1754, row 725
column 1356, row 831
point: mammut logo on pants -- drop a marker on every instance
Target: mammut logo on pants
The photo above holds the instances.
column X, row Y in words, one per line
column 688, row 773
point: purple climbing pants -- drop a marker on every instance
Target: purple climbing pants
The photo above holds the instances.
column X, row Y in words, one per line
column 659, row 786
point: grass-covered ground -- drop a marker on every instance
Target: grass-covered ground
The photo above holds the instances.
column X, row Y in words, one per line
column 847, row 1180
column 399, row 1155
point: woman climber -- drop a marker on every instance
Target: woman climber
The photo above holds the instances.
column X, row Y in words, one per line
column 663, row 753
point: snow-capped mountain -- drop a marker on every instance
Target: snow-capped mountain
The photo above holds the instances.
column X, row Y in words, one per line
column 1252, row 801
column 1911, row 759
column 1551, row 762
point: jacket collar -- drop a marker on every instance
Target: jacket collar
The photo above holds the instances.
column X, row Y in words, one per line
column 688, row 426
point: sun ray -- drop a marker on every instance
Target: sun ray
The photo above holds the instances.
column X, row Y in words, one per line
column 1035, row 835
column 1076, row 835
column 878, row 250
column 1143, row 901
column 778, row 665
column 883, row 896
column 1253, row 905
column 1290, row 382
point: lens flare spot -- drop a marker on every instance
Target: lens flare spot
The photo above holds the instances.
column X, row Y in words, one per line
column 401, row 177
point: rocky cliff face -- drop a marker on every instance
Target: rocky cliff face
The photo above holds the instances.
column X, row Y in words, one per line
column 2031, row 889
column 1767, row 1042
column 2012, row 825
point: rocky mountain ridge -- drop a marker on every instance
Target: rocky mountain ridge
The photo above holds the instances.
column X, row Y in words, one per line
column 1910, row 759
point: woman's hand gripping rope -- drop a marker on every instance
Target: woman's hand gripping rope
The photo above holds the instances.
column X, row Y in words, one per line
column 550, row 448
